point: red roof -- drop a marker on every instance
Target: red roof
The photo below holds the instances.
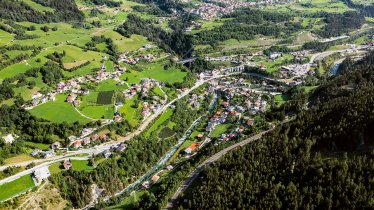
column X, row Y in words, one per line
column 193, row 146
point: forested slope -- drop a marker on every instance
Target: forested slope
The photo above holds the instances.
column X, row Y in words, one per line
column 321, row 160
column 64, row 10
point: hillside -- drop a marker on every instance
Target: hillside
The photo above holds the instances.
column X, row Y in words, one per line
column 60, row 11
column 321, row 160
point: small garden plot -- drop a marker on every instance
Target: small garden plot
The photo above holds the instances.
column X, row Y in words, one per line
column 166, row 133
column 105, row 97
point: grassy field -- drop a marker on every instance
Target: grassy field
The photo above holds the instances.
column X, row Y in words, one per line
column 311, row 6
column 218, row 130
column 78, row 165
column 158, row 91
column 98, row 112
column 58, row 111
column 126, row 44
column 18, row 158
column 38, row 7
column 19, row 185
column 81, row 165
column 155, row 71
column 166, row 115
column 5, row 37
column 185, row 144
column 273, row 66
column 237, row 44
column 37, row 145
column 308, row 89
column 132, row 115
column 304, row 37
column 109, row 85
column 129, row 202
column 55, row 168
column 281, row 99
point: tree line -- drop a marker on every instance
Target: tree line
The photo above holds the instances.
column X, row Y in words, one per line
column 64, row 11
column 172, row 42
column 124, row 168
column 320, row 160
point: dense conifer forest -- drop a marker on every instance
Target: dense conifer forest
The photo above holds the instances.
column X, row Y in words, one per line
column 64, row 11
column 321, row 160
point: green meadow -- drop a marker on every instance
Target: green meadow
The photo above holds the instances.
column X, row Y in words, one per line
column 5, row 37
column 78, row 165
column 219, row 129
column 132, row 115
column 58, row 111
column 166, row 115
column 155, row 71
column 37, row 6
column 15, row 187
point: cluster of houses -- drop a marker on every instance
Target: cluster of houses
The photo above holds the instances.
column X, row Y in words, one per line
column 256, row 104
column 124, row 57
column 236, row 59
column 143, row 88
column 45, row 154
column 194, row 100
column 48, row 153
column 118, row 148
column 38, row 98
column 79, row 142
column 208, row 11
column 73, row 87
column 295, row 70
column 218, row 118
column 149, row 108
column 217, row 8
column 235, row 133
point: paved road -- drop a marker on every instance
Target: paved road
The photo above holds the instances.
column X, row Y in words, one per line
column 99, row 148
column 155, row 168
column 210, row 160
column 29, row 171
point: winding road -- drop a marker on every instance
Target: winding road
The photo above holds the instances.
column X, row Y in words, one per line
column 99, row 148
column 209, row 161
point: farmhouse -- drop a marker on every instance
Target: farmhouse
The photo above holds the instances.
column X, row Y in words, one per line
column 77, row 144
column 250, row 122
column 94, row 137
column 9, row 138
column 41, row 174
column 49, row 153
column 191, row 148
column 36, row 152
column 86, row 140
column 155, row 178
column 56, row 145
column 67, row 164
column 121, row 147
column 107, row 153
